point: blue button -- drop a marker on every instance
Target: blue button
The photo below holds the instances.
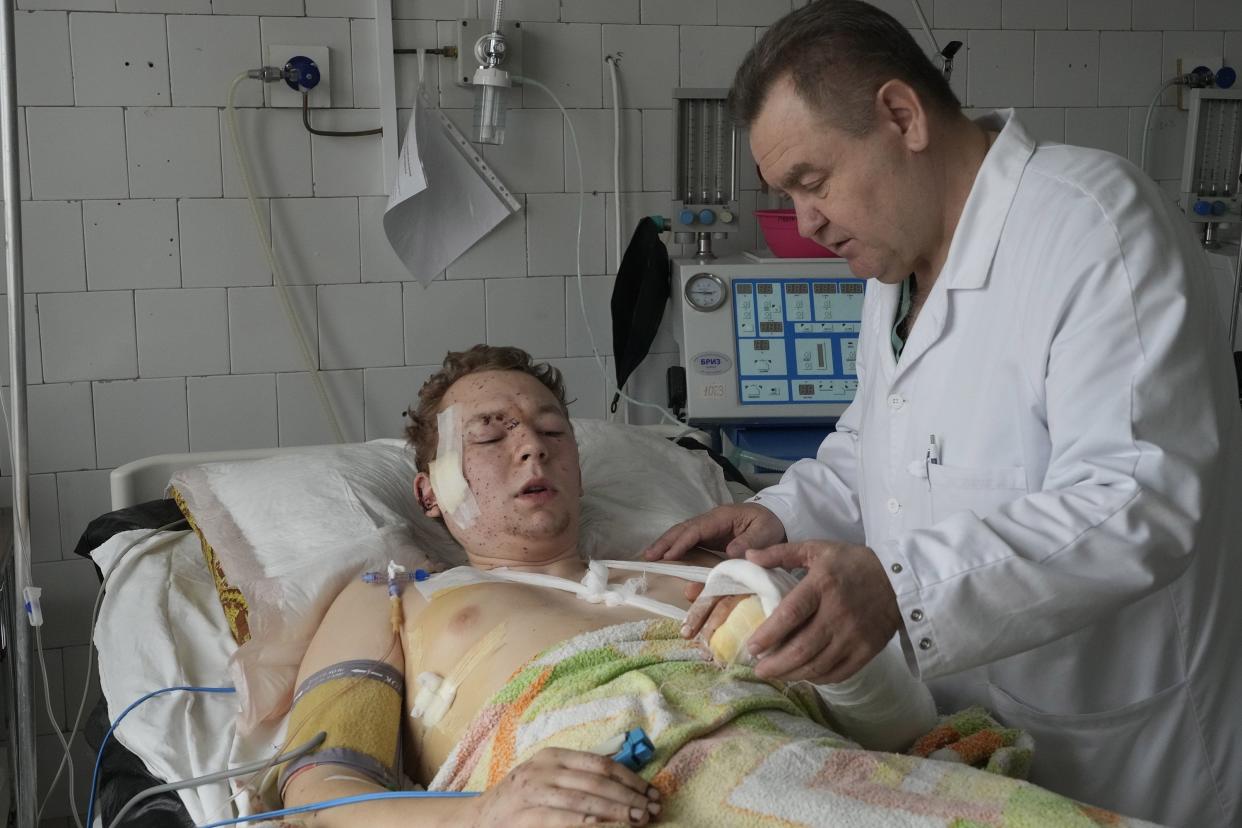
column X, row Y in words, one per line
column 686, row 217
column 1202, row 208
column 707, row 217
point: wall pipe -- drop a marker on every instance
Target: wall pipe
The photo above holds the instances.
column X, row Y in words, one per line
column 19, row 631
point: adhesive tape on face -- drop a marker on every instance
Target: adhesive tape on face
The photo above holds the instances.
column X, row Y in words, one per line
column 447, row 480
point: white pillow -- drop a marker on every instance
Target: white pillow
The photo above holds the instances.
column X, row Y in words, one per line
column 290, row 531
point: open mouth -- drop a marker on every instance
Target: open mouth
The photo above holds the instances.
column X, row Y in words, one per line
column 537, row 489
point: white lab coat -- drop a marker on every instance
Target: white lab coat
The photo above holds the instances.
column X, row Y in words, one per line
column 1071, row 562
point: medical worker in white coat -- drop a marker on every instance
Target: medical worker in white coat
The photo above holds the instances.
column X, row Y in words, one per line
column 1039, row 484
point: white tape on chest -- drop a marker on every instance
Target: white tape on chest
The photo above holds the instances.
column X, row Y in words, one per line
column 434, row 697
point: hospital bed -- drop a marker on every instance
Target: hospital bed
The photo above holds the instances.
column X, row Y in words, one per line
column 162, row 622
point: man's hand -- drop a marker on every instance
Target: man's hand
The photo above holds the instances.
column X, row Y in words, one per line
column 733, row 529
column 558, row 787
column 834, row 621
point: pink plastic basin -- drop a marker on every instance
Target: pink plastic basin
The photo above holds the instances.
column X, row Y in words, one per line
column 780, row 231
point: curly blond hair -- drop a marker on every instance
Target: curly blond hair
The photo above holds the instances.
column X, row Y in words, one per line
column 422, row 431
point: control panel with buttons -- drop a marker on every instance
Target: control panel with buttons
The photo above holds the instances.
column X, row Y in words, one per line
column 769, row 340
column 797, row 340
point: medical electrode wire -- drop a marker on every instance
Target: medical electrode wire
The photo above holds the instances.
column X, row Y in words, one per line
column 47, row 704
column 278, row 274
column 90, row 656
column 265, row 767
column 573, row 137
column 219, row 776
column 1147, row 120
column 334, row 803
column 90, row 803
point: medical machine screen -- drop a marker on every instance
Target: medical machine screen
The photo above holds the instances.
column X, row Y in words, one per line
column 797, row 340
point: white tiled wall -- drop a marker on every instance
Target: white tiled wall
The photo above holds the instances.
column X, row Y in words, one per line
column 153, row 322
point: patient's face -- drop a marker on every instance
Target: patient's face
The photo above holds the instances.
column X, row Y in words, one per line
column 520, row 460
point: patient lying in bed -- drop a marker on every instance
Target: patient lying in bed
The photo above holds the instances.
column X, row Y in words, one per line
column 729, row 748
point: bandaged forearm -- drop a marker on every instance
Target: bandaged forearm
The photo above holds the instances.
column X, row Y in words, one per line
column 358, row 705
column 882, row 706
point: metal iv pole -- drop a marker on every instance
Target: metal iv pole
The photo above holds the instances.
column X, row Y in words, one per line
column 19, row 631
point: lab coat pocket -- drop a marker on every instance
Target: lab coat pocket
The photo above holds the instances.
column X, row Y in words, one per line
column 978, row 490
column 1134, row 759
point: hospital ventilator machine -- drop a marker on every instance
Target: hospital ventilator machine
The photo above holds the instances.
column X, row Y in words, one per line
column 768, row 345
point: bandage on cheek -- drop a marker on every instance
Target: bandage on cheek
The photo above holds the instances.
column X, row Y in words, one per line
column 447, row 479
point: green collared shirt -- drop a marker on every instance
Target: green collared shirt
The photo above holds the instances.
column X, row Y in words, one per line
column 903, row 311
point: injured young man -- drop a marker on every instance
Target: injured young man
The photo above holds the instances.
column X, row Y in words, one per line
column 523, row 675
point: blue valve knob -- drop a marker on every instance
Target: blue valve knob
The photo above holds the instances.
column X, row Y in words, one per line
column 1226, row 77
column 301, row 73
column 707, row 217
column 1219, row 208
column 686, row 217
column 1202, row 208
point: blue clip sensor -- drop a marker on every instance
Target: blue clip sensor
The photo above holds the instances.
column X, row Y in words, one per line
column 636, row 751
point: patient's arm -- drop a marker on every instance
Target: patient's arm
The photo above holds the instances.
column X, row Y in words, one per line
column 556, row 787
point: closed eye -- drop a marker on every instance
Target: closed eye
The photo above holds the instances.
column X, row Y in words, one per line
column 818, row 186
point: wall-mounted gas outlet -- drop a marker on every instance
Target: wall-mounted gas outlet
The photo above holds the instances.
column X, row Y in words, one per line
column 468, row 33
column 281, row 94
column 1186, row 64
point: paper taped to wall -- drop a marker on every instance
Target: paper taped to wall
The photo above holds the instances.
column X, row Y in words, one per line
column 431, row 219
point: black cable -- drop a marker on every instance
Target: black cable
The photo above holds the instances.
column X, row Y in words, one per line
column 443, row 51
column 332, row 133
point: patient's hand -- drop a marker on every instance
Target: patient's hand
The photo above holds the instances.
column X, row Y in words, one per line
column 733, row 528
column 706, row 616
column 566, row 787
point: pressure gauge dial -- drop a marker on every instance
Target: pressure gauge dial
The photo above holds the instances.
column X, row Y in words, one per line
column 706, row 291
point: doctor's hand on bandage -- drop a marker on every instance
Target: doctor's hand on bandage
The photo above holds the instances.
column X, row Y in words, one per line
column 559, row 787
column 732, row 529
column 833, row 622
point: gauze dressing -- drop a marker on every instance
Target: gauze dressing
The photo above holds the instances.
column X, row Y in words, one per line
column 447, row 480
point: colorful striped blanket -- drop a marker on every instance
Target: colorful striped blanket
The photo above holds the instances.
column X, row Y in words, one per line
column 731, row 749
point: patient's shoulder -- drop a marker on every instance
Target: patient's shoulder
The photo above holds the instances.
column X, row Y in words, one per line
column 356, row 626
column 363, row 602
